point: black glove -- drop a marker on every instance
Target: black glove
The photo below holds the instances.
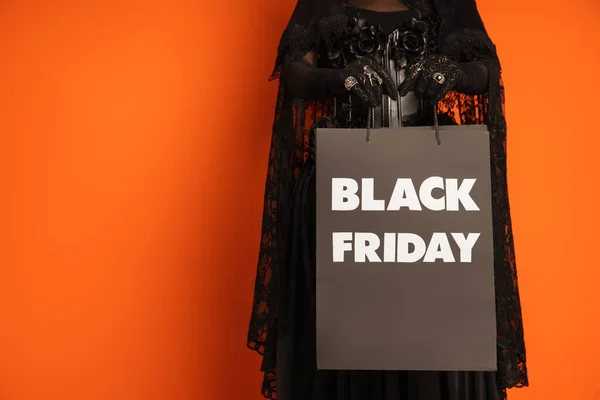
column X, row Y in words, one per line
column 437, row 75
column 364, row 77
column 431, row 79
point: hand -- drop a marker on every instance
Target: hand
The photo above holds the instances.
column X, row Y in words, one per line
column 365, row 78
column 432, row 79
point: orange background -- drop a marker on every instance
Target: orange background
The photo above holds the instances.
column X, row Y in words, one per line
column 134, row 138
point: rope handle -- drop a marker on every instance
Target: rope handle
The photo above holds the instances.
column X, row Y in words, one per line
column 436, row 127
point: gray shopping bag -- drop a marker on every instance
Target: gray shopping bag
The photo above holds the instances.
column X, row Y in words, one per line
column 405, row 275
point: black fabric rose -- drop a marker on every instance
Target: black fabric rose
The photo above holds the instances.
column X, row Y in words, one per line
column 360, row 39
column 412, row 43
column 415, row 39
column 364, row 38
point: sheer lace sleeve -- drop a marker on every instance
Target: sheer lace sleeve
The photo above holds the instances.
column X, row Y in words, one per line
column 474, row 78
column 464, row 38
column 306, row 81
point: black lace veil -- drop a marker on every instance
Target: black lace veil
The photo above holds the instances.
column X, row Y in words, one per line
column 463, row 37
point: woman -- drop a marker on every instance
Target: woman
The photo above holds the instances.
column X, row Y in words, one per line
column 340, row 63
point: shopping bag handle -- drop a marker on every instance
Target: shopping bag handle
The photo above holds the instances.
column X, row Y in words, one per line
column 436, row 127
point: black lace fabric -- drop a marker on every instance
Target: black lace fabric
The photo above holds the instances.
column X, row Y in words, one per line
column 489, row 109
column 463, row 41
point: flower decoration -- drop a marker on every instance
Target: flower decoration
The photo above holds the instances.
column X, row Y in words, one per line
column 364, row 38
column 360, row 39
column 415, row 40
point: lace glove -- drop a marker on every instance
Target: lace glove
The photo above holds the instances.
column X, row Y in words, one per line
column 364, row 78
column 433, row 78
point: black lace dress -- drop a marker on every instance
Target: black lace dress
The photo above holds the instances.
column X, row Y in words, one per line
column 283, row 327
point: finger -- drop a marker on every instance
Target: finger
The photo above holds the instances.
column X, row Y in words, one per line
column 388, row 85
column 431, row 90
column 374, row 94
column 408, row 85
column 364, row 96
column 369, row 90
column 377, row 93
column 421, row 86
